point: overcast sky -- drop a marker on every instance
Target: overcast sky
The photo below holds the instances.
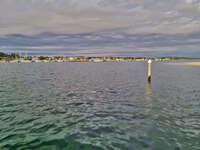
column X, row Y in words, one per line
column 123, row 23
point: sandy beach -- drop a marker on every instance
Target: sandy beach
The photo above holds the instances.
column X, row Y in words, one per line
column 187, row 63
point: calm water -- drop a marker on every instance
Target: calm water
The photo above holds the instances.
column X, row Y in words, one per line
column 99, row 106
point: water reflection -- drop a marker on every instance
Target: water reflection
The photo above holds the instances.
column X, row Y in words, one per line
column 148, row 92
column 149, row 100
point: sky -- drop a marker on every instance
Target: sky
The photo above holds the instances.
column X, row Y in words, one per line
column 101, row 27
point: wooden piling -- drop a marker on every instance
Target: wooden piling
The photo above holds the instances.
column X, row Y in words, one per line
column 149, row 70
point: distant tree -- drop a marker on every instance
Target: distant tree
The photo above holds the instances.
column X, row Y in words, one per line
column 43, row 57
column 28, row 58
column 14, row 55
column 3, row 54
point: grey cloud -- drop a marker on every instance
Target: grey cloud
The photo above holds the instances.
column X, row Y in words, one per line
column 76, row 16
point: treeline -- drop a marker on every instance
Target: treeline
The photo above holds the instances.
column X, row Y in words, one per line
column 8, row 56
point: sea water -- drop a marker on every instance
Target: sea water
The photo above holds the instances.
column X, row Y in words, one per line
column 99, row 106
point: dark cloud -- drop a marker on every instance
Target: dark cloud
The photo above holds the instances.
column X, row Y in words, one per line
column 111, row 42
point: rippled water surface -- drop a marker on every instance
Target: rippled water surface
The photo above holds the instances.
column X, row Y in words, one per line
column 99, row 106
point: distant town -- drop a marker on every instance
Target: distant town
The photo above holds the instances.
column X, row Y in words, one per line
column 15, row 58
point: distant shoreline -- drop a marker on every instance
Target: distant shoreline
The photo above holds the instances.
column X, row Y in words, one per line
column 16, row 58
column 187, row 64
column 32, row 59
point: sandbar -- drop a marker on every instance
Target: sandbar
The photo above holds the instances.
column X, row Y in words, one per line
column 187, row 63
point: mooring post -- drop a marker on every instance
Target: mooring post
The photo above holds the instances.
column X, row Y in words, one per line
column 149, row 70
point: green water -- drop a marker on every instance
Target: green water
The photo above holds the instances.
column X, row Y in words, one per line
column 99, row 106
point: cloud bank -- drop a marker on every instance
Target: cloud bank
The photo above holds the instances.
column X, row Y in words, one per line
column 107, row 43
